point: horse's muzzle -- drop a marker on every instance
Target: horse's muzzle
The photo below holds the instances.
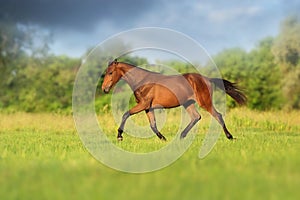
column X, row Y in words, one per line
column 106, row 90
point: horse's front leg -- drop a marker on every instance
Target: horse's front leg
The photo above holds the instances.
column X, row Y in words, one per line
column 136, row 109
column 121, row 128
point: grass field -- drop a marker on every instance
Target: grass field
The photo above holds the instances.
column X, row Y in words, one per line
column 42, row 157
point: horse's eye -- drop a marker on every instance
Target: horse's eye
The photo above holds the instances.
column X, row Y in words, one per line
column 110, row 73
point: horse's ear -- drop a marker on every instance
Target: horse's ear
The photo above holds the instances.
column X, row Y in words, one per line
column 115, row 61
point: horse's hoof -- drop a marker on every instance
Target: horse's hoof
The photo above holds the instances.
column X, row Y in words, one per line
column 230, row 137
column 163, row 138
column 182, row 137
column 120, row 138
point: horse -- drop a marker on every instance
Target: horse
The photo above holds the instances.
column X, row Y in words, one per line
column 153, row 90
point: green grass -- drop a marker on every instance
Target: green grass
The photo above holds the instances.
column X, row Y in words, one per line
column 42, row 157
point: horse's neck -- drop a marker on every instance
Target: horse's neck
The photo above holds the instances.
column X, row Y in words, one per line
column 134, row 76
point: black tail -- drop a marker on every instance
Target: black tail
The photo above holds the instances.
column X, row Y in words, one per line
column 231, row 89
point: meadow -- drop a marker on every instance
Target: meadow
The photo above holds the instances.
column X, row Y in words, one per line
column 42, row 157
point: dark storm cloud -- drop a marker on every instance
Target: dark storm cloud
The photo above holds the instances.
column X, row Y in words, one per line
column 74, row 14
column 76, row 25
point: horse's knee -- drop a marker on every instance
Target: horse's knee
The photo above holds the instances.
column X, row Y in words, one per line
column 196, row 118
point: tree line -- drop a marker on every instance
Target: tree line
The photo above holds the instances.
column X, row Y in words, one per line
column 270, row 73
column 34, row 80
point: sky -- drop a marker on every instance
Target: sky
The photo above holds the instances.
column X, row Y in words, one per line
column 76, row 25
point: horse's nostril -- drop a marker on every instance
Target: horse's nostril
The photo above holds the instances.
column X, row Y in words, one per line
column 106, row 90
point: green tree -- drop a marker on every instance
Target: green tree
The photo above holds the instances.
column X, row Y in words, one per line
column 12, row 57
column 263, row 81
column 31, row 79
column 255, row 72
column 233, row 66
column 48, row 87
column 18, row 50
column 286, row 50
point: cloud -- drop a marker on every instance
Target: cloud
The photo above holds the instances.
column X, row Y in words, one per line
column 72, row 14
column 216, row 24
column 222, row 15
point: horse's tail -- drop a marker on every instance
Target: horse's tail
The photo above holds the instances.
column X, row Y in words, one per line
column 231, row 89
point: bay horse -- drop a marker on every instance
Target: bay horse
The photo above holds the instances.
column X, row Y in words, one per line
column 154, row 90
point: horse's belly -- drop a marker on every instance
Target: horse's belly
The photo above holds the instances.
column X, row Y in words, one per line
column 169, row 98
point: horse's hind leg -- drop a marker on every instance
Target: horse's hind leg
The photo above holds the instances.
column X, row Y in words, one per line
column 219, row 118
column 151, row 118
column 195, row 117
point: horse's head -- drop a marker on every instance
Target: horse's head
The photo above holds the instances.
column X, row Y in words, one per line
column 112, row 76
